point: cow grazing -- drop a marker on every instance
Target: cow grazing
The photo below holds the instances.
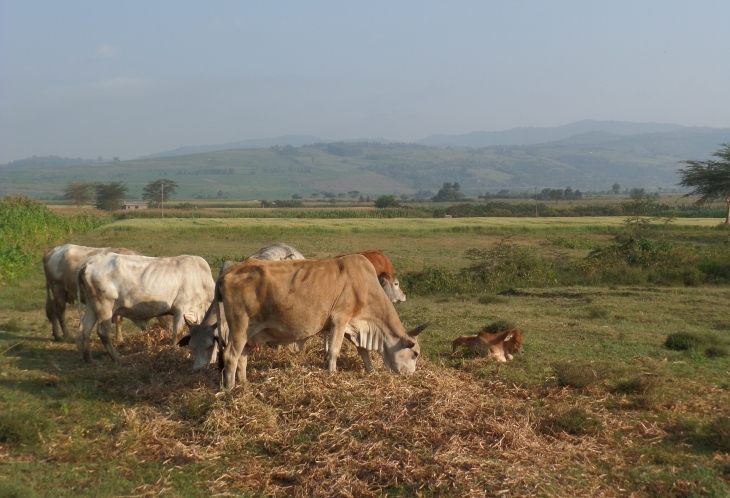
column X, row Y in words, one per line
column 61, row 266
column 202, row 338
column 141, row 288
column 288, row 301
column 501, row 345
column 384, row 270
column 277, row 252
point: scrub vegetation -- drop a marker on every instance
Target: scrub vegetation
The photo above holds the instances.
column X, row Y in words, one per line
column 623, row 389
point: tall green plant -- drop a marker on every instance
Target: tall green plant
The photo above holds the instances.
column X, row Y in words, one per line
column 28, row 229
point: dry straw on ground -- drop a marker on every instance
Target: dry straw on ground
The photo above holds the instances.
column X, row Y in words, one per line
column 295, row 429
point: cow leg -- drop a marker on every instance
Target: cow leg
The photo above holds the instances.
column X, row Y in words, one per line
column 235, row 354
column 51, row 313
column 337, row 334
column 242, row 363
column 178, row 320
column 85, row 328
column 119, row 321
column 365, row 358
column 105, row 334
column 61, row 297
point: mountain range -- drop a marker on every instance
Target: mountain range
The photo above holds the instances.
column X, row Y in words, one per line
column 588, row 155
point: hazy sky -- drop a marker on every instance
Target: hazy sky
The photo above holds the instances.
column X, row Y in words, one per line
column 123, row 78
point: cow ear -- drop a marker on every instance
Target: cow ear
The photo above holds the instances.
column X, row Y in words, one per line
column 418, row 330
column 382, row 280
column 407, row 343
column 185, row 341
column 509, row 336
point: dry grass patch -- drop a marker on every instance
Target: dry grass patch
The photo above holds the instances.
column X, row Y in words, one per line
column 295, row 429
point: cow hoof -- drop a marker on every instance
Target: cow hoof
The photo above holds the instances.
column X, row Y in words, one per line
column 87, row 356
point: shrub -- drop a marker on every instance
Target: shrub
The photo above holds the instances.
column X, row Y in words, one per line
column 498, row 326
column 21, row 427
column 575, row 421
column 719, row 430
column 386, row 201
column 634, row 385
column 491, row 299
column 716, row 351
column 682, row 341
column 579, row 375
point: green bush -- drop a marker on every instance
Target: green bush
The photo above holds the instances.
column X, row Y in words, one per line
column 386, row 201
column 682, row 341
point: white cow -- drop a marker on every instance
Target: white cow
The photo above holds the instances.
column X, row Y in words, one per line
column 141, row 288
column 61, row 266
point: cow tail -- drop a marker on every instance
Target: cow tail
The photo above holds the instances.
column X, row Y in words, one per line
column 217, row 298
column 79, row 284
column 50, row 302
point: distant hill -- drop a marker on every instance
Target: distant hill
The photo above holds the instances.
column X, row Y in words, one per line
column 45, row 162
column 263, row 143
column 530, row 136
column 592, row 160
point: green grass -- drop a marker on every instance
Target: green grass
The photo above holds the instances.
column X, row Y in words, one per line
column 595, row 376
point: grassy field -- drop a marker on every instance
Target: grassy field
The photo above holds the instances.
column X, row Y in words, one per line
column 597, row 406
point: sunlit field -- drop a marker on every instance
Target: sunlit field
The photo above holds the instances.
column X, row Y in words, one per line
column 623, row 389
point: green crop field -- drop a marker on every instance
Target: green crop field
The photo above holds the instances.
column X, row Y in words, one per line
column 623, row 390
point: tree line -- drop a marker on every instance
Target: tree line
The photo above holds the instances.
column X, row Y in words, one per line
column 109, row 196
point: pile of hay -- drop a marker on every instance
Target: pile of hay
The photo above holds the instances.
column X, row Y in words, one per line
column 296, row 429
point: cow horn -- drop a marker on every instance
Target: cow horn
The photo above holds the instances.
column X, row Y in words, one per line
column 418, row 330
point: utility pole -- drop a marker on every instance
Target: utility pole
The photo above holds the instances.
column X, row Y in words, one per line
column 162, row 200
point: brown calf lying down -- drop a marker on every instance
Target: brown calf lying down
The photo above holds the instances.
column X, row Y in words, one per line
column 501, row 345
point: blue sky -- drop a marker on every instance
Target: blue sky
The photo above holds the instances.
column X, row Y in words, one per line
column 124, row 78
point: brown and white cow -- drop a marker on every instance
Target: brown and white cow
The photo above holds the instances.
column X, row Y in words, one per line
column 386, row 274
column 282, row 302
column 501, row 345
column 61, row 266
column 141, row 288
column 202, row 337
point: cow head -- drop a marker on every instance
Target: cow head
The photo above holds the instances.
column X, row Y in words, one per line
column 392, row 289
column 202, row 340
column 513, row 342
column 401, row 357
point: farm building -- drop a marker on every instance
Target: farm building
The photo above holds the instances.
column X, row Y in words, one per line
column 129, row 205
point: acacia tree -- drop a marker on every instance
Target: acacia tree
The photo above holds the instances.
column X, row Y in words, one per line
column 709, row 179
column 79, row 193
column 160, row 191
column 109, row 196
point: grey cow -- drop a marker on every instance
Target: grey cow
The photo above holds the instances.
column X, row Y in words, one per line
column 203, row 337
